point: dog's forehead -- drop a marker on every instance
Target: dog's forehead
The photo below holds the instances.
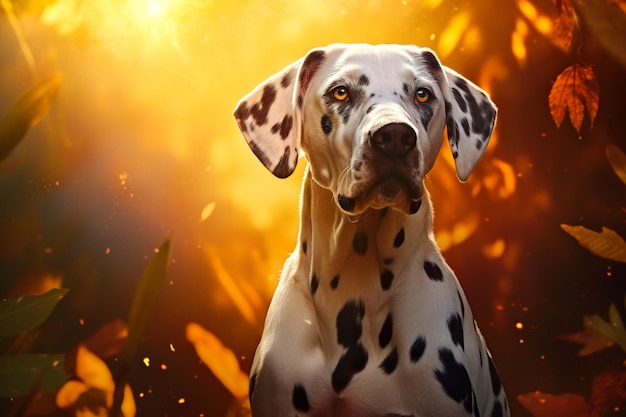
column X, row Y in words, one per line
column 378, row 63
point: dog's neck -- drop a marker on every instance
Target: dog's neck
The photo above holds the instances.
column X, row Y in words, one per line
column 334, row 246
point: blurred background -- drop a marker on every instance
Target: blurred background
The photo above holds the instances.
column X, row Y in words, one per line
column 139, row 145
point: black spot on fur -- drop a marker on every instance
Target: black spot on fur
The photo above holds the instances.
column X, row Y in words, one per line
column 459, row 100
column 465, row 125
column 300, row 100
column 359, row 243
column 387, row 261
column 252, row 384
column 482, row 115
column 370, row 108
column 389, row 364
column 241, row 114
column 405, row 88
column 304, row 246
column 352, row 362
column 364, row 80
column 283, row 127
column 496, row 384
column 260, row 110
column 260, row 153
column 497, row 410
column 455, row 380
column 453, row 131
column 426, row 114
column 455, row 326
column 433, row 271
column 348, row 324
column 314, row 284
column 417, row 348
column 384, row 337
column 432, row 63
column 327, row 124
column 286, row 80
column 334, row 282
column 282, row 169
column 479, row 144
column 299, row 399
column 399, row 239
column 386, row 278
column 310, row 65
column 414, row 207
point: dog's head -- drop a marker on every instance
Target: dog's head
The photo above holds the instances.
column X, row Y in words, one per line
column 370, row 120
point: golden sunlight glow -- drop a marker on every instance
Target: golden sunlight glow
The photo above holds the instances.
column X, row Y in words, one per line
column 453, row 33
column 542, row 23
column 458, row 234
column 156, row 8
column 518, row 39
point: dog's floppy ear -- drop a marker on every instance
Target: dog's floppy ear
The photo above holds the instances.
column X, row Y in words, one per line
column 270, row 117
column 470, row 114
column 470, row 118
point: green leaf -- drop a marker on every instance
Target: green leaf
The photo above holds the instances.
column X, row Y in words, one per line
column 613, row 330
column 30, row 108
column 617, row 159
column 19, row 373
column 144, row 299
column 606, row 244
column 19, row 314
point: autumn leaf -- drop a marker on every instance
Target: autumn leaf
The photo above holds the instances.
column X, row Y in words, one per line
column 607, row 392
column 219, row 358
column 612, row 329
column 590, row 340
column 550, row 405
column 575, row 89
column 564, row 25
column 606, row 244
column 617, row 159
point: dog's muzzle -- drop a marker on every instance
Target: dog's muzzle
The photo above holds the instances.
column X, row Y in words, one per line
column 393, row 178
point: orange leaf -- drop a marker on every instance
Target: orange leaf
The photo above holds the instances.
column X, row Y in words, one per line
column 549, row 405
column 575, row 89
column 606, row 244
column 219, row 358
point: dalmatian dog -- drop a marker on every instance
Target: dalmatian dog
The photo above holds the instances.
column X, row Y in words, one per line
column 367, row 319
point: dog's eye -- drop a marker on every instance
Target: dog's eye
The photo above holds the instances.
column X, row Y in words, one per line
column 340, row 93
column 422, row 95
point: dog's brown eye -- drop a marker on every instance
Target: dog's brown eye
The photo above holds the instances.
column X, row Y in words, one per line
column 422, row 95
column 341, row 93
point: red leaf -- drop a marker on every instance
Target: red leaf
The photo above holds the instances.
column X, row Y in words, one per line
column 608, row 391
column 549, row 405
column 575, row 89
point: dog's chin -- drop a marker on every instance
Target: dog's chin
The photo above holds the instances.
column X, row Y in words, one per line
column 388, row 193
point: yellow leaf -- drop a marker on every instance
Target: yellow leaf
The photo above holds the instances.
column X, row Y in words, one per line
column 575, row 89
column 549, row 405
column 606, row 244
column 220, row 360
column 617, row 159
column 207, row 211
column 94, row 372
column 69, row 393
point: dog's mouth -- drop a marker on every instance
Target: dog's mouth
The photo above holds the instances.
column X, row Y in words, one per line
column 389, row 191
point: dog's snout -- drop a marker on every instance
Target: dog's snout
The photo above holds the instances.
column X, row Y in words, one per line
column 394, row 139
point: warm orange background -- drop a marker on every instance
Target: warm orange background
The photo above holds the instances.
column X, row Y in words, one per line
column 141, row 145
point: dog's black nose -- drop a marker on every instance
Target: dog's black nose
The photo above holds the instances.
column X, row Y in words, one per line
column 394, row 139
